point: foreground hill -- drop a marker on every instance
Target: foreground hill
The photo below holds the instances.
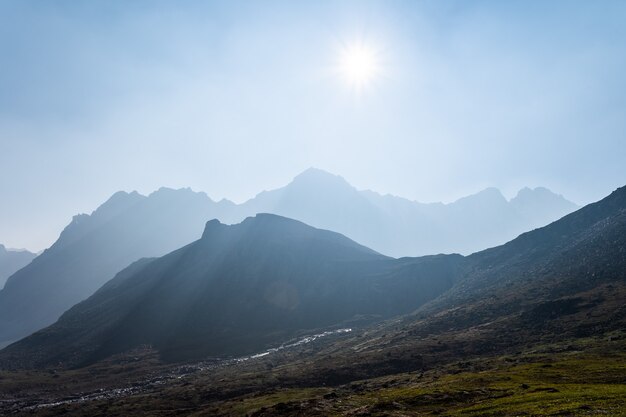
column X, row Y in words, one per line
column 237, row 290
column 12, row 261
column 92, row 248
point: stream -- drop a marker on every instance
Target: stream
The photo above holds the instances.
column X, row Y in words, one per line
column 148, row 384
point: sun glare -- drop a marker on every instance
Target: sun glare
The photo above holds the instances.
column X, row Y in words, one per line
column 359, row 65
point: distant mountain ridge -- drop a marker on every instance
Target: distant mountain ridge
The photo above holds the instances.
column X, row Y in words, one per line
column 399, row 227
column 12, row 260
column 130, row 226
column 93, row 248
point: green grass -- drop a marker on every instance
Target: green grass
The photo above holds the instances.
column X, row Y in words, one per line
column 577, row 378
column 571, row 385
column 531, row 384
column 250, row 404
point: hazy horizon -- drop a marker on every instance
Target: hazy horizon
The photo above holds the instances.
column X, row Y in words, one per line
column 50, row 238
column 232, row 98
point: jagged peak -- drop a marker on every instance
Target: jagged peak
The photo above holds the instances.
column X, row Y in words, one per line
column 537, row 190
column 489, row 193
column 316, row 175
column 227, row 202
column 526, row 194
column 210, row 227
column 269, row 217
column 167, row 192
column 258, row 220
column 120, row 200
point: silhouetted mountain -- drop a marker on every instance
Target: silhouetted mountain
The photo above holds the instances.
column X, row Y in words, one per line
column 558, row 283
column 529, row 327
column 399, row 227
column 238, row 289
column 92, row 248
column 577, row 253
column 532, row 327
column 11, row 261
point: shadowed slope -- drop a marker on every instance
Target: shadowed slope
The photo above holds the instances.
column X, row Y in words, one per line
column 562, row 282
column 92, row 248
column 237, row 290
column 12, row 261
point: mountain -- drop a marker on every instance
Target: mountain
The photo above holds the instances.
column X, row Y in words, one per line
column 554, row 285
column 92, row 248
column 323, row 200
column 552, row 271
column 399, row 227
column 245, row 287
column 538, row 204
column 237, row 290
column 532, row 327
column 130, row 226
column 11, row 261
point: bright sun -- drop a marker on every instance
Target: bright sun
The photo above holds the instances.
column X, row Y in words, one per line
column 359, row 65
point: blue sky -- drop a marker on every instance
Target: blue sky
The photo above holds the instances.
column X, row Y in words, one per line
column 235, row 97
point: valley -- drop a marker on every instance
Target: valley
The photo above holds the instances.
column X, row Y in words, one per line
column 330, row 208
column 582, row 376
column 535, row 326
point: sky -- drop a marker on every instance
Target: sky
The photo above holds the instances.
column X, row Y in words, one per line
column 235, row 97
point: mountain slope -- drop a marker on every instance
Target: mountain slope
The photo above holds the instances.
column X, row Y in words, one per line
column 92, row 248
column 127, row 227
column 238, row 289
column 12, row 261
column 532, row 327
column 580, row 251
column 559, row 283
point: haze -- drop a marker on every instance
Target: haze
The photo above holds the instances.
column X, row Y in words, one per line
column 235, row 97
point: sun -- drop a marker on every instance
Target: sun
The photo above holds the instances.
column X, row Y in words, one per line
column 359, row 64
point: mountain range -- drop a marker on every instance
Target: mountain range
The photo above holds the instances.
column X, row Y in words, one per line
column 245, row 287
column 93, row 248
column 237, row 290
column 531, row 327
column 130, row 226
column 563, row 282
column 11, row 261
column 399, row 227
